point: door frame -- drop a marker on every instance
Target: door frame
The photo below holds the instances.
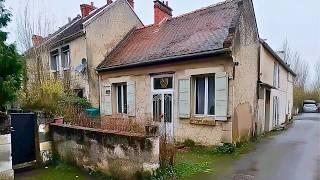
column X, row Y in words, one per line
column 163, row 92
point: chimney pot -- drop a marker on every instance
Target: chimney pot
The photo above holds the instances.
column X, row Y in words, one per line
column 109, row 2
column 86, row 9
column 131, row 2
column 162, row 11
column 36, row 40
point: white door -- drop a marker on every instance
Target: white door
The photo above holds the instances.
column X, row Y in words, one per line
column 162, row 104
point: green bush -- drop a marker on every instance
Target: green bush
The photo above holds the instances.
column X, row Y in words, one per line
column 75, row 101
column 189, row 143
column 226, row 148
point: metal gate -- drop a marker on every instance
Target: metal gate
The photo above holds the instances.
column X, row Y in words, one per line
column 23, row 137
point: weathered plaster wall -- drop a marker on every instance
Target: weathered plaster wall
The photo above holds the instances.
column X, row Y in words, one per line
column 183, row 128
column 284, row 92
column 117, row 155
column 102, row 36
column 245, row 51
column 6, row 172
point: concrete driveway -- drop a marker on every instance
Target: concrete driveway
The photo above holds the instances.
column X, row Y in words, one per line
column 292, row 155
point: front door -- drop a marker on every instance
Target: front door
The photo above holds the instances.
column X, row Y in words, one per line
column 162, row 104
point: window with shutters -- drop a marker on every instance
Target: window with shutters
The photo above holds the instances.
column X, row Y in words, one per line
column 121, row 94
column 204, row 93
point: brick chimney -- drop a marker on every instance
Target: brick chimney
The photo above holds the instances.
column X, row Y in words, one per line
column 161, row 11
column 131, row 2
column 36, row 40
column 86, row 9
column 109, row 2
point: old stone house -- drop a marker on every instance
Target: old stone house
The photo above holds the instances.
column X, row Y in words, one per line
column 74, row 51
column 275, row 89
column 195, row 75
column 204, row 75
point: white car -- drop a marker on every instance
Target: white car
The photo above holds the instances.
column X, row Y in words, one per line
column 310, row 108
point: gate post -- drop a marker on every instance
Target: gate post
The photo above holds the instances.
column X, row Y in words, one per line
column 6, row 171
column 44, row 141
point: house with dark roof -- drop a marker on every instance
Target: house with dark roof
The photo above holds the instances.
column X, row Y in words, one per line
column 72, row 53
column 194, row 75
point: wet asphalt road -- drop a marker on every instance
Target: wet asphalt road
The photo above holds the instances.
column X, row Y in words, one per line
column 292, row 155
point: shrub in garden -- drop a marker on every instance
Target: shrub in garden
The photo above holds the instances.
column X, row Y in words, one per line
column 45, row 97
column 226, row 148
column 189, row 143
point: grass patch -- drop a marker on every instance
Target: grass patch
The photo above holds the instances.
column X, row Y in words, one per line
column 59, row 171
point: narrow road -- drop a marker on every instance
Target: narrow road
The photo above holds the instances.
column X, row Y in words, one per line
column 292, row 155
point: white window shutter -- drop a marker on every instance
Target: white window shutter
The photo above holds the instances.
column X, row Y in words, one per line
column 131, row 98
column 107, row 104
column 184, row 98
column 221, row 96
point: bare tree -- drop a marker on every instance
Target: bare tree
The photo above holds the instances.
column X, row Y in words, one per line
column 34, row 21
column 316, row 82
column 297, row 64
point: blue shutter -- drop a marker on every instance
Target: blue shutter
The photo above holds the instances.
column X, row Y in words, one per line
column 221, row 96
column 131, row 98
column 184, row 98
column 107, row 104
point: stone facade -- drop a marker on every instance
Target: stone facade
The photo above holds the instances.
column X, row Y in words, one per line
column 100, row 35
column 103, row 33
column 121, row 156
column 195, row 128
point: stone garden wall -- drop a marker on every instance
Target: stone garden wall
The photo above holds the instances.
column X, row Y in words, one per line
column 119, row 154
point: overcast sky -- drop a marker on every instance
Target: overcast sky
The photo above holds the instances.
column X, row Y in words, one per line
column 295, row 20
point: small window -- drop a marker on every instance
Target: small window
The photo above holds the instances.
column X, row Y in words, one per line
column 65, row 57
column 121, row 92
column 79, row 93
column 163, row 83
column 276, row 75
column 54, row 60
column 204, row 95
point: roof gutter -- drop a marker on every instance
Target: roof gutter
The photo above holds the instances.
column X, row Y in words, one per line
column 168, row 59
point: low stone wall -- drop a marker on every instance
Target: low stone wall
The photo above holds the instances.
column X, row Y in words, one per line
column 6, row 172
column 118, row 154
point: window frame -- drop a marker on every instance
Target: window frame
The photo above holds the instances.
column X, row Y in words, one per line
column 65, row 49
column 206, row 96
column 117, row 85
column 55, row 53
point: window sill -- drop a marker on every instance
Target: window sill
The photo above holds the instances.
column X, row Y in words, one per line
column 210, row 121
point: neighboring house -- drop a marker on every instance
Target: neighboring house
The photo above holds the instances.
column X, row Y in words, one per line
column 73, row 52
column 276, row 90
column 195, row 75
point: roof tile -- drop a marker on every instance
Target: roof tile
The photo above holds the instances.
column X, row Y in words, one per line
column 199, row 31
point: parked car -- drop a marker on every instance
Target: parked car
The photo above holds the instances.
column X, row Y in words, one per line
column 318, row 106
column 310, row 108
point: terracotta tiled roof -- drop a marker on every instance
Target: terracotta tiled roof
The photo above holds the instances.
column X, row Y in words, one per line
column 203, row 30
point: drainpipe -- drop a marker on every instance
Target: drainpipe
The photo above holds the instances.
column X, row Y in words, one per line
column 258, row 88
